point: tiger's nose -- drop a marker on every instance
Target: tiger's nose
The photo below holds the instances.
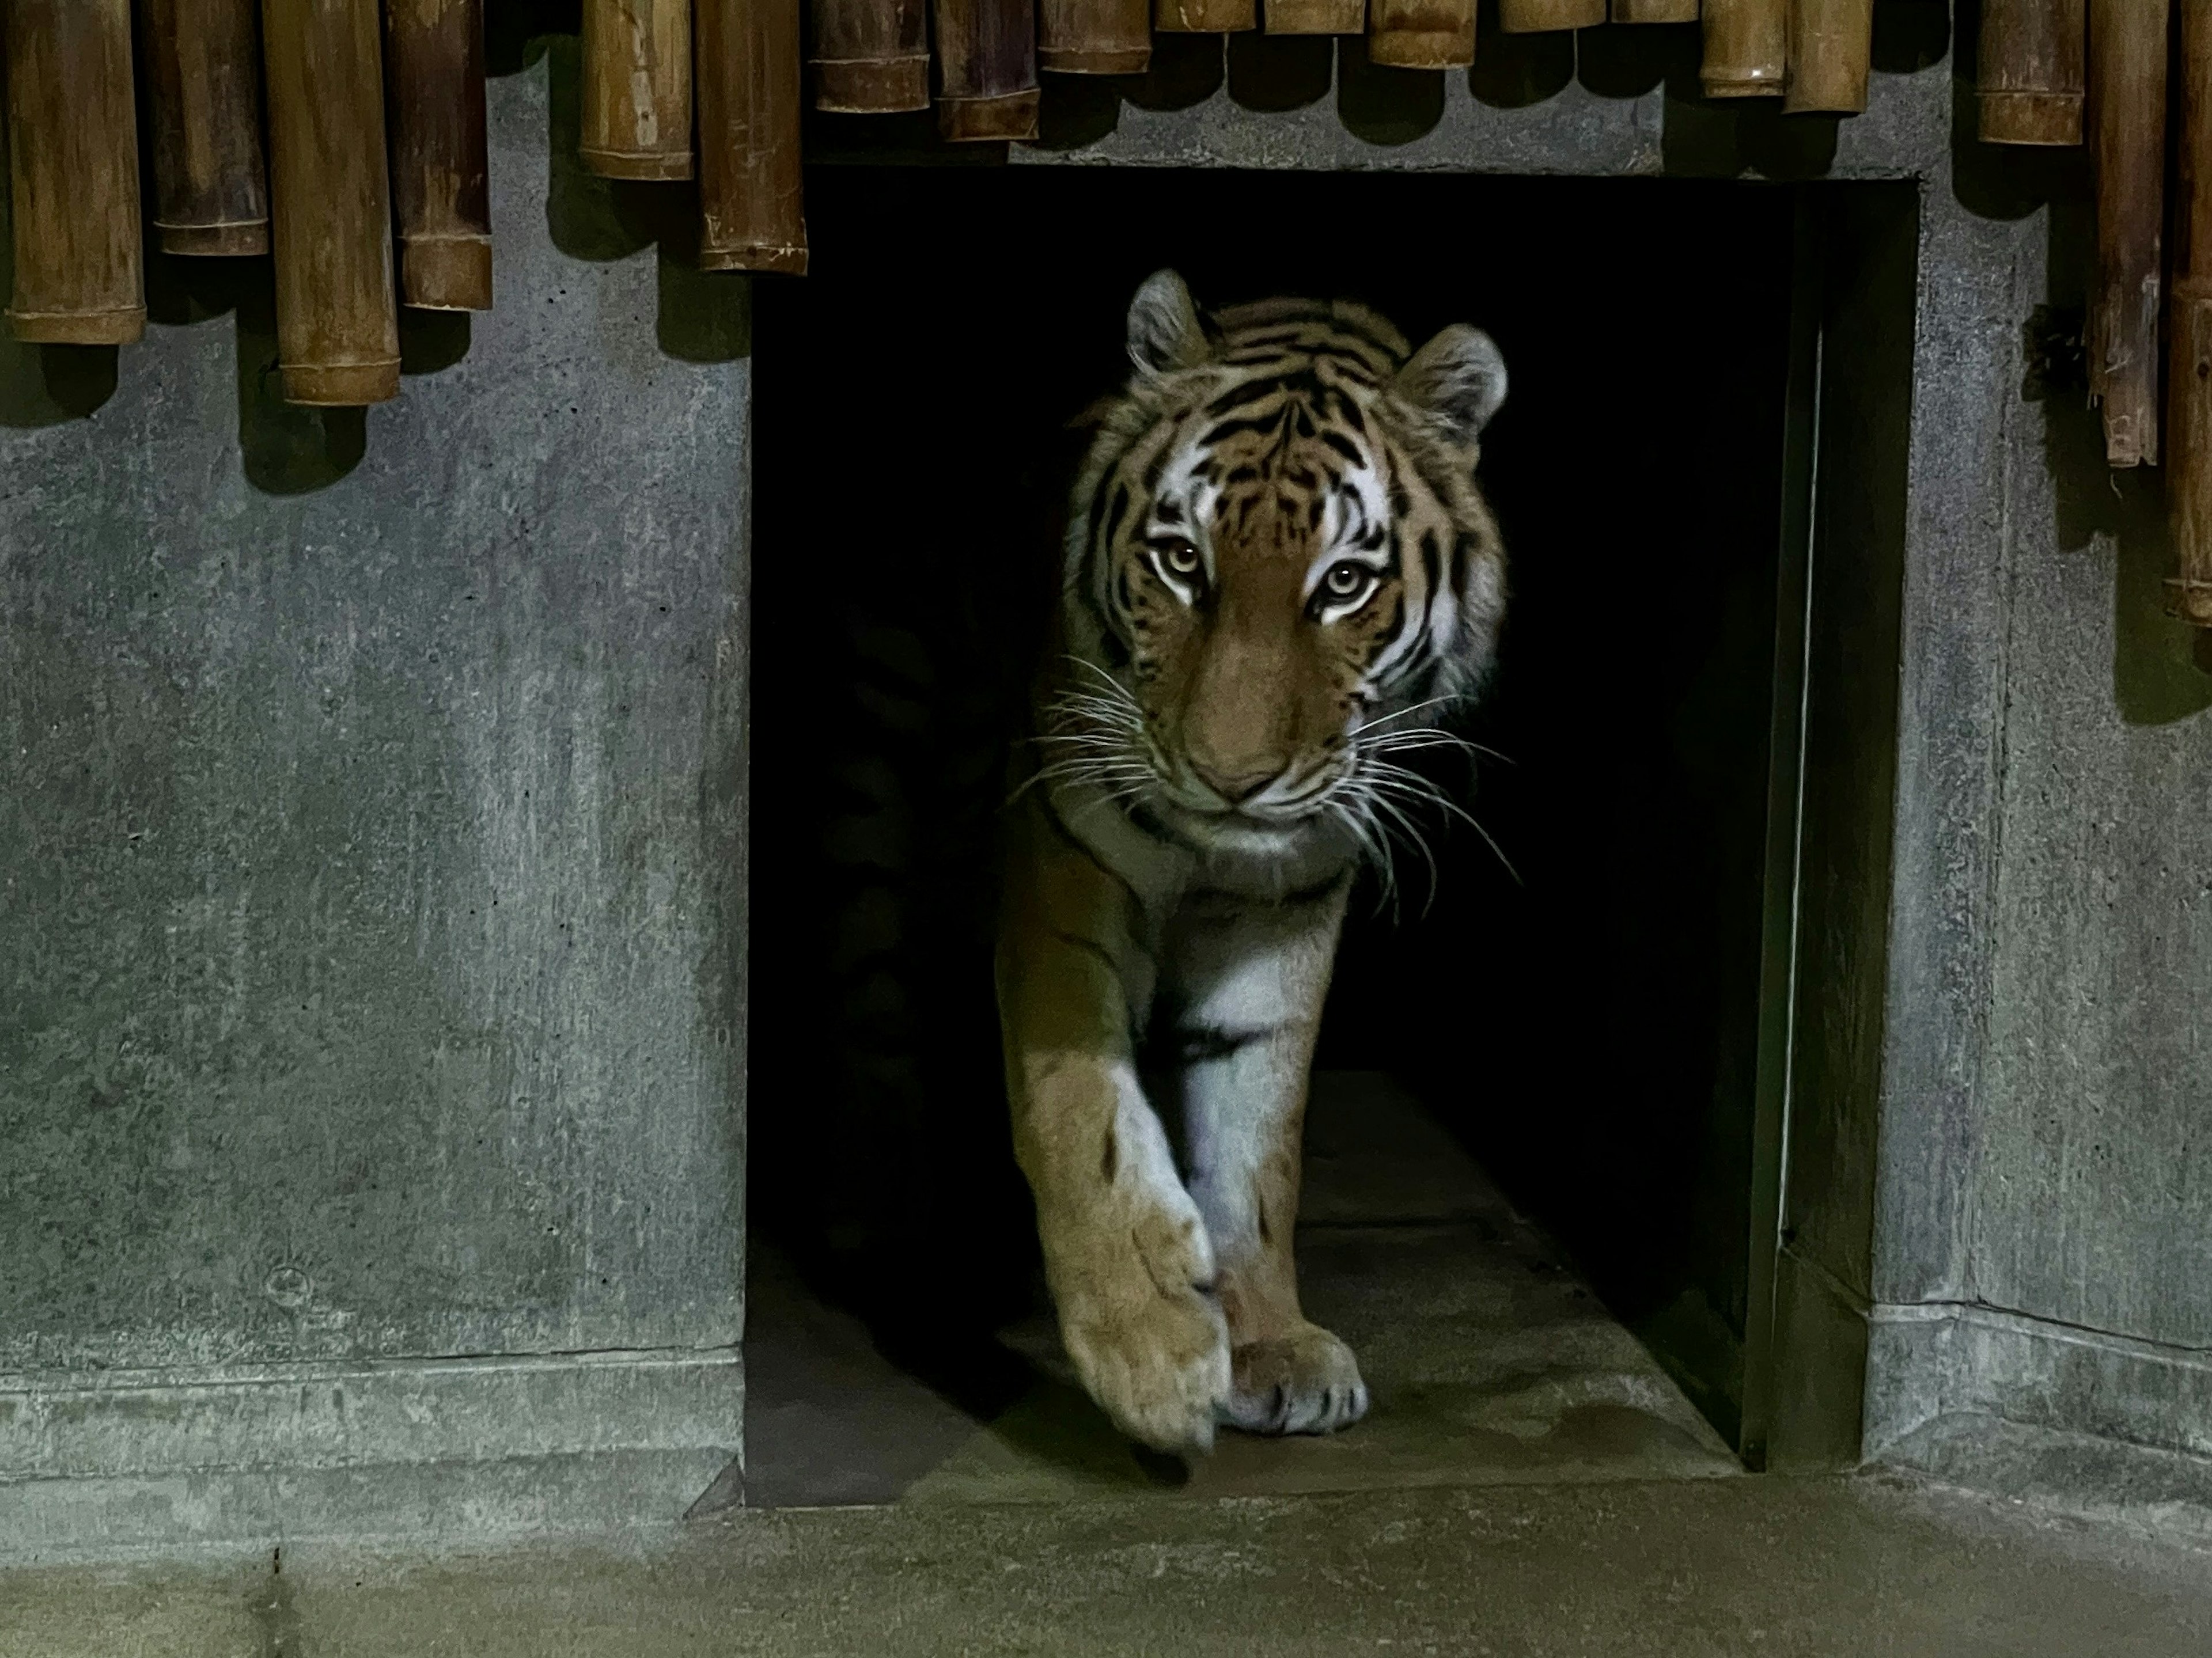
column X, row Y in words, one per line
column 1237, row 784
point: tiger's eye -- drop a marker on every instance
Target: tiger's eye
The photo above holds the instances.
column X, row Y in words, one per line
column 1345, row 580
column 1181, row 558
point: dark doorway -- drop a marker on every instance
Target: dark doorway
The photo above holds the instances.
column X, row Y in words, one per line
column 1585, row 1022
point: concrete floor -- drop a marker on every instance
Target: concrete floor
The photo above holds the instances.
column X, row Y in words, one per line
column 1529, row 1484
column 1692, row 1569
column 1489, row 1360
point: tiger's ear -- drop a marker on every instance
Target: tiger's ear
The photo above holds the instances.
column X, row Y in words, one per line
column 1458, row 376
column 1164, row 330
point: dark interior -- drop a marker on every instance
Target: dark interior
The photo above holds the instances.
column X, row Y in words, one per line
column 1584, row 1022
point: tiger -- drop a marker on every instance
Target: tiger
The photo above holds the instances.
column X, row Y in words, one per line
column 1278, row 572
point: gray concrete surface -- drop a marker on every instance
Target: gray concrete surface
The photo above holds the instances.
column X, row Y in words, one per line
column 370, row 1022
column 1771, row 1566
column 371, row 1001
column 1488, row 1359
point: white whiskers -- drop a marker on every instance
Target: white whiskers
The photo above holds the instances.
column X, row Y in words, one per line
column 1094, row 736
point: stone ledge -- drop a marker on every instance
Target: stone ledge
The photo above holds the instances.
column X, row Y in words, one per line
column 148, row 1463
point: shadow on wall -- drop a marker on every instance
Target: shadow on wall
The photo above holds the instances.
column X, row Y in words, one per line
column 703, row 316
column 2161, row 666
column 1384, row 106
column 287, row 449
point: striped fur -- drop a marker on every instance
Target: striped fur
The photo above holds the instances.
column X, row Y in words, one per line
column 1279, row 568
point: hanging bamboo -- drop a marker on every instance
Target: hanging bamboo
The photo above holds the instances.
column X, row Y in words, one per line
column 750, row 204
column 337, row 328
column 1095, row 37
column 203, row 119
column 1654, row 11
column 1746, row 48
column 987, row 55
column 2126, row 104
column 1421, row 33
column 1316, row 16
column 1830, row 44
column 1546, row 16
column 869, row 57
column 637, row 89
column 2031, row 73
column 73, row 148
column 1205, row 16
column 440, row 184
column 2189, row 412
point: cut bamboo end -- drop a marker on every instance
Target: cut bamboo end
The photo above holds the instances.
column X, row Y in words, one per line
column 1761, row 83
column 655, row 166
column 1092, row 37
column 1654, row 11
column 2031, row 117
column 2126, row 114
column 1830, row 45
column 122, row 327
column 782, row 261
column 2189, row 409
column 1548, row 16
column 1316, row 16
column 1744, row 50
column 1206, row 16
column 73, row 143
column 342, row 384
column 1838, row 98
column 1432, row 49
column 637, row 89
column 1077, row 60
column 872, row 86
column 1008, row 118
column 214, row 241
column 200, row 61
column 445, row 273
column 2190, row 600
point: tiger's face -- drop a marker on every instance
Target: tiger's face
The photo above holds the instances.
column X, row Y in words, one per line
column 1279, row 554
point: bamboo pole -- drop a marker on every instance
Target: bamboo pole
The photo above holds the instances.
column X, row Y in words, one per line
column 2189, row 411
column 1747, row 48
column 337, row 327
column 987, row 55
column 1546, row 17
column 1205, row 16
column 749, row 201
column 1829, row 43
column 2126, row 104
column 1654, row 11
column 1095, row 37
column 441, row 183
column 637, row 89
column 73, row 148
column 2032, row 72
column 204, row 115
column 1316, row 16
column 1421, row 33
column 870, row 57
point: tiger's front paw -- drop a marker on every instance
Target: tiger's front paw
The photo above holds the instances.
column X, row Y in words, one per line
column 1306, row 1382
column 1139, row 1319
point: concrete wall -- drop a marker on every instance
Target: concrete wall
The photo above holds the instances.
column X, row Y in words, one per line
column 371, row 1006
column 371, row 791
column 2042, row 1304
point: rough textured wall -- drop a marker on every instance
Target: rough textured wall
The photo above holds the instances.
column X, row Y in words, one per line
column 370, row 796
column 2044, row 1285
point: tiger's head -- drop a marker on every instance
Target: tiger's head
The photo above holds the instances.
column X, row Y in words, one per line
column 1277, row 554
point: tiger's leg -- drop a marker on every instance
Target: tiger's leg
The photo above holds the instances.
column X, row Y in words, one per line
column 1245, row 1033
column 1126, row 1252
